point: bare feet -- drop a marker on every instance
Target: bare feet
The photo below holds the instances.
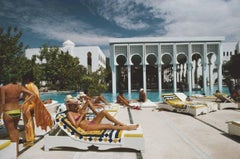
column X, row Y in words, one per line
column 132, row 127
column 136, row 107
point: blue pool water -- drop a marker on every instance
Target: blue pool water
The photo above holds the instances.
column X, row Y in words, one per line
column 153, row 96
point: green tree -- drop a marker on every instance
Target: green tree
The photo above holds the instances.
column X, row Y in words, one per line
column 12, row 55
column 95, row 82
column 232, row 74
column 108, row 73
column 61, row 70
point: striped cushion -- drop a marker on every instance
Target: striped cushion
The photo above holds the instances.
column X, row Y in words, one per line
column 103, row 136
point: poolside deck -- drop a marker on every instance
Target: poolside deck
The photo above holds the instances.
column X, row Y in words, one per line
column 167, row 135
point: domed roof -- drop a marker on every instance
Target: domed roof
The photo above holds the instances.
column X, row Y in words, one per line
column 68, row 43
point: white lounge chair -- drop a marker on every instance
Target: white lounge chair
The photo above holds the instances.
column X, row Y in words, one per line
column 106, row 139
column 177, row 102
column 224, row 101
column 147, row 104
column 234, row 127
column 8, row 149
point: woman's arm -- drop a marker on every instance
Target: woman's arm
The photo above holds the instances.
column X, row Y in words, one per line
column 2, row 96
column 90, row 105
column 31, row 95
column 70, row 117
column 75, row 118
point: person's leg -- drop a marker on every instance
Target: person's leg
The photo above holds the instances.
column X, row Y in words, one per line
column 102, row 114
column 11, row 125
column 28, row 125
column 91, row 106
column 111, row 127
column 101, row 98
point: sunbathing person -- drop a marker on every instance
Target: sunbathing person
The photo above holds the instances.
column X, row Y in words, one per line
column 76, row 115
column 142, row 96
column 47, row 101
column 124, row 101
column 96, row 99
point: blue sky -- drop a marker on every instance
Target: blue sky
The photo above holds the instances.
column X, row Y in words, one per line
column 94, row 22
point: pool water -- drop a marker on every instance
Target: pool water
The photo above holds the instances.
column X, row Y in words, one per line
column 153, row 96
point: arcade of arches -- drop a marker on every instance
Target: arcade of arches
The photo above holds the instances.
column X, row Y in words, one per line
column 174, row 65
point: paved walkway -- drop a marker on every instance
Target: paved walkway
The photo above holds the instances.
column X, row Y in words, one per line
column 167, row 135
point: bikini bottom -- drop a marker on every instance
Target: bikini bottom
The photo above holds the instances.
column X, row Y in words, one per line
column 14, row 113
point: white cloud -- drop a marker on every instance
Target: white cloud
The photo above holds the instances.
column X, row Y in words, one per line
column 181, row 18
column 124, row 13
column 64, row 30
column 198, row 17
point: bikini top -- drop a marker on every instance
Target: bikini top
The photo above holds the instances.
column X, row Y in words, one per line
column 78, row 117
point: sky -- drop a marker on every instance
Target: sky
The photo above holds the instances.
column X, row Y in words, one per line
column 94, row 22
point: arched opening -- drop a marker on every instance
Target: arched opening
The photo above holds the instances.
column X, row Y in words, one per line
column 136, row 72
column 152, row 72
column 196, row 71
column 181, row 72
column 167, row 72
column 122, row 75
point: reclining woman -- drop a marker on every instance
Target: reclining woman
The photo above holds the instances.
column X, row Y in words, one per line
column 124, row 101
column 76, row 115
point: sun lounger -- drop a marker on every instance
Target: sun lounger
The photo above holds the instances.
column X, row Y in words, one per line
column 147, row 104
column 176, row 102
column 223, row 98
column 224, row 101
column 52, row 107
column 211, row 105
column 8, row 149
column 80, row 139
column 234, row 127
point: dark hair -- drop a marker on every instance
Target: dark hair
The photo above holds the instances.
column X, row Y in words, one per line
column 28, row 77
column 13, row 76
column 121, row 92
column 86, row 91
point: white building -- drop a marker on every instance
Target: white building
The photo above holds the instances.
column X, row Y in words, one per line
column 90, row 57
column 145, row 62
column 229, row 49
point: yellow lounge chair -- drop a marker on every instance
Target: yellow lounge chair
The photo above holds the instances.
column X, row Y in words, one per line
column 176, row 102
column 225, row 101
column 223, row 98
column 104, row 139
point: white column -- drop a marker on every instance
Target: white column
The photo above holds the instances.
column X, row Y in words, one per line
column 114, row 87
column 204, row 65
column 129, row 70
column 189, row 69
column 129, row 79
column 211, row 76
column 174, row 68
column 113, row 67
column 144, row 68
column 193, row 75
column 159, row 71
column 220, row 67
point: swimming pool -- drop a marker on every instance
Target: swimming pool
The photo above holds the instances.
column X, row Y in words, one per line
column 153, row 96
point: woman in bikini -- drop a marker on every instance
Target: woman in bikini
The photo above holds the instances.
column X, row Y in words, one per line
column 76, row 115
column 124, row 101
column 10, row 96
